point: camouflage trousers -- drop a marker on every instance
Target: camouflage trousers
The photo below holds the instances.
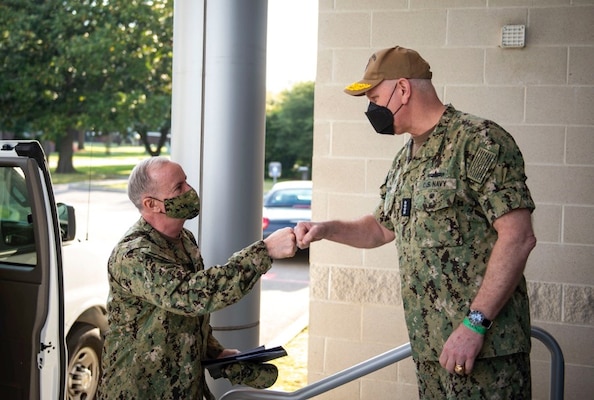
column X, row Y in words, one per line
column 497, row 378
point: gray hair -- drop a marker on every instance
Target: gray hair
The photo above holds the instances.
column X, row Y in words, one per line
column 423, row 85
column 140, row 182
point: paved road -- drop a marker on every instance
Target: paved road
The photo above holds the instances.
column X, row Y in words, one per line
column 284, row 301
column 104, row 215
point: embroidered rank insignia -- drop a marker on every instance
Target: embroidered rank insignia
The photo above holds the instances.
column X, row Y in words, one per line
column 357, row 86
column 483, row 159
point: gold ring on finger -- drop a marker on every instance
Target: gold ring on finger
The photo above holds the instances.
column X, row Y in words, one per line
column 459, row 369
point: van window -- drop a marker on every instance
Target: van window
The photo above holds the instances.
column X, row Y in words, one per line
column 17, row 235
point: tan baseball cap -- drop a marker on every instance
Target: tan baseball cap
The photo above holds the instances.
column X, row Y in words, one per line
column 393, row 63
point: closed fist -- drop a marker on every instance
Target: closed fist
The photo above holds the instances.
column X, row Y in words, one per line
column 281, row 243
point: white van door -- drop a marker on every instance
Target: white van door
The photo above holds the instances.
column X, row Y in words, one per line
column 32, row 351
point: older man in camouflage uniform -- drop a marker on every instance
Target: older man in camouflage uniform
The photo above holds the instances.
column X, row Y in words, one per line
column 457, row 203
column 161, row 294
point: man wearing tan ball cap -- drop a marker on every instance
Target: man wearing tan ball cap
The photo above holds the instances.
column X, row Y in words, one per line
column 393, row 63
column 456, row 203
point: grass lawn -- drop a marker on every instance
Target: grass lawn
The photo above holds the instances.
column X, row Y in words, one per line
column 292, row 369
column 96, row 164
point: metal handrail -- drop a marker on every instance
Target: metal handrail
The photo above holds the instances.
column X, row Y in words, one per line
column 328, row 383
column 557, row 362
column 390, row 357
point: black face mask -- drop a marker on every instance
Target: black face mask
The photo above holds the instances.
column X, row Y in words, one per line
column 381, row 118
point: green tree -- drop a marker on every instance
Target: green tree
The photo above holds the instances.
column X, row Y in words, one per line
column 68, row 66
column 289, row 128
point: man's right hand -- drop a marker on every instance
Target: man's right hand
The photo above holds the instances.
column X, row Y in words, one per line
column 281, row 244
column 365, row 232
column 305, row 234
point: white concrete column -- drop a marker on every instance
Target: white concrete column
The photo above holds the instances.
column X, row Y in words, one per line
column 187, row 96
column 218, row 131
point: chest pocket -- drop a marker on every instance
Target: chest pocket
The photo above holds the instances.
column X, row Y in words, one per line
column 436, row 218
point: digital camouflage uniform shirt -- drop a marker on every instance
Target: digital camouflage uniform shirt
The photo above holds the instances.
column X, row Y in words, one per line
column 158, row 310
column 441, row 204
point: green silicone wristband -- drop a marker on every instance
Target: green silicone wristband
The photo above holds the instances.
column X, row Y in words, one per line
column 478, row 329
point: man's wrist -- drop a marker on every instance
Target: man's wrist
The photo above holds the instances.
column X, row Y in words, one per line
column 477, row 318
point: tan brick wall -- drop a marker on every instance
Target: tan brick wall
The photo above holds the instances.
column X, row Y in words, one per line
column 543, row 94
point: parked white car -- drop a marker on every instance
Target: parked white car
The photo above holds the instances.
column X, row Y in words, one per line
column 286, row 204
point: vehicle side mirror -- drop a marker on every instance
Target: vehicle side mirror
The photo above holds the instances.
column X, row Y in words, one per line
column 67, row 221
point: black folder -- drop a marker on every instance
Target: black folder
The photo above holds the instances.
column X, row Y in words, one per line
column 257, row 355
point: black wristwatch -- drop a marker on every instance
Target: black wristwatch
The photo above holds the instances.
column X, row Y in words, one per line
column 477, row 318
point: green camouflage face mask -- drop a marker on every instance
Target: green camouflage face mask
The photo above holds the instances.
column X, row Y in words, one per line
column 184, row 206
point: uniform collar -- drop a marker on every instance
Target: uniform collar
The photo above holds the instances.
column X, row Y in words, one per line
column 435, row 140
